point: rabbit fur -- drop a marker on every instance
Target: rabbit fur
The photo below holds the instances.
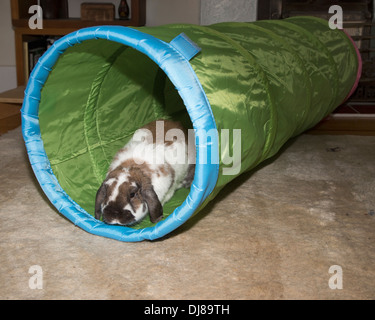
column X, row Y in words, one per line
column 145, row 174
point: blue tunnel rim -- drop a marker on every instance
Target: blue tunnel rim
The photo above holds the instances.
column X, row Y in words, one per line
column 177, row 67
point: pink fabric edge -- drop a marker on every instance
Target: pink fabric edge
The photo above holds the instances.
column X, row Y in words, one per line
column 359, row 71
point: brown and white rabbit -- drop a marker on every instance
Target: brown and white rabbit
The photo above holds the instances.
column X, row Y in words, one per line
column 145, row 173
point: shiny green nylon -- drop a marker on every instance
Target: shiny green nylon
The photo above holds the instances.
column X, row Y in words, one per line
column 272, row 80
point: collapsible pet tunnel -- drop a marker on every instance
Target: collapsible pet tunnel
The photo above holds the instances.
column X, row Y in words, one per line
column 93, row 88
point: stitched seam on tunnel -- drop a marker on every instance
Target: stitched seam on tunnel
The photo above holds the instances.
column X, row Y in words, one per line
column 158, row 91
column 249, row 57
column 330, row 58
column 91, row 105
column 85, row 150
column 289, row 48
column 315, row 40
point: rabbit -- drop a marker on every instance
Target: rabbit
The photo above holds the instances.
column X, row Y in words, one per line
column 145, row 173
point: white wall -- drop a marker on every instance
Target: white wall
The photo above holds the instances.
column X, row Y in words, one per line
column 7, row 50
column 172, row 11
column 157, row 11
column 204, row 12
column 215, row 11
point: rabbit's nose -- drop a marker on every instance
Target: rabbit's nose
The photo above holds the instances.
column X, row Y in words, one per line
column 121, row 217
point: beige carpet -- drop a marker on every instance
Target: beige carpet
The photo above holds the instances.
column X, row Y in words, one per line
column 272, row 234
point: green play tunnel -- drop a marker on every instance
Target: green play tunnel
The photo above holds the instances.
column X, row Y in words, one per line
column 255, row 85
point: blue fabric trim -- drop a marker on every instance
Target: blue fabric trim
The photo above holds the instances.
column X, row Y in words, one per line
column 185, row 45
column 178, row 69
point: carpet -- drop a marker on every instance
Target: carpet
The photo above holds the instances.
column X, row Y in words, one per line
column 300, row 226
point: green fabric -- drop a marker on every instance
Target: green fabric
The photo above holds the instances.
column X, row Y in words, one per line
column 270, row 79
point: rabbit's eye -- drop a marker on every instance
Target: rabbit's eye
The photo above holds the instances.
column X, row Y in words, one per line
column 132, row 195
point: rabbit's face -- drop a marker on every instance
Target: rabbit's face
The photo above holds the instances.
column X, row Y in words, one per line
column 125, row 197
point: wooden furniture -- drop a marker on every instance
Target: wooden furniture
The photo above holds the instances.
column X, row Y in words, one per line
column 348, row 119
column 59, row 27
column 10, row 105
column 10, row 117
column 14, row 96
column 97, row 11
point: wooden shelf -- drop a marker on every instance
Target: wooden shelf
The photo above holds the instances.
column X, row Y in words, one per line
column 352, row 124
column 10, row 117
column 349, row 118
column 72, row 23
column 60, row 27
column 10, row 109
column 13, row 96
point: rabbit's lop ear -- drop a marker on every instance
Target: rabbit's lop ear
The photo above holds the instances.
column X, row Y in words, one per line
column 100, row 196
column 154, row 206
